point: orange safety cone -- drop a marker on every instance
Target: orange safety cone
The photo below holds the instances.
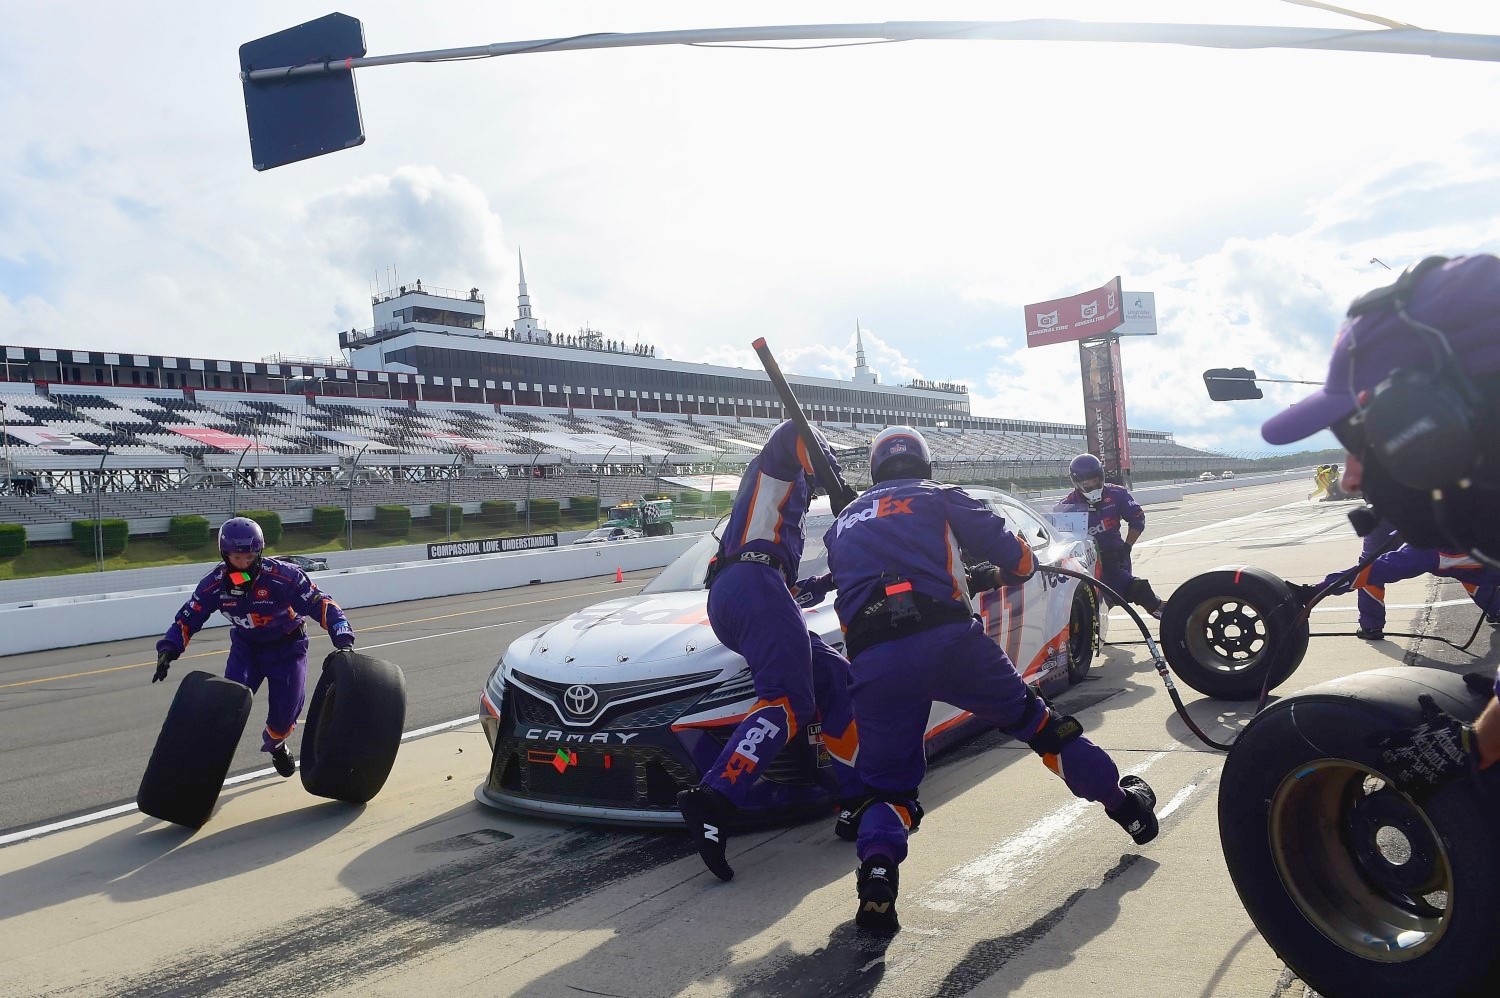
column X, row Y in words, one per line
column 619, row 575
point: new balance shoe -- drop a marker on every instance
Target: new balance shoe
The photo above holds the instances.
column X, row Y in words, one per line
column 703, row 812
column 1370, row 634
column 1137, row 815
column 283, row 761
column 876, row 883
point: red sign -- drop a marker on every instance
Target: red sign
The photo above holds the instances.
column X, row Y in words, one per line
column 1104, row 404
column 217, row 438
column 1092, row 313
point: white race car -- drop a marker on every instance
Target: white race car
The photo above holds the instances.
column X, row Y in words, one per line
column 607, row 713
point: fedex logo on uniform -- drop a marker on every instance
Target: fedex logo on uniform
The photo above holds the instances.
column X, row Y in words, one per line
column 885, row 506
column 746, row 756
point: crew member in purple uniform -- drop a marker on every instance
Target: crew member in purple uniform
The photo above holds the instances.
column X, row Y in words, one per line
column 1108, row 506
column 266, row 601
column 1406, row 562
column 897, row 559
column 753, row 607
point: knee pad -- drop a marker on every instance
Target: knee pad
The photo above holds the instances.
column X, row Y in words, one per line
column 900, row 799
column 1058, row 730
column 1141, row 593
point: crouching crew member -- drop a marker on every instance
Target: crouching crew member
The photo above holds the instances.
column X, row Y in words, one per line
column 896, row 555
column 753, row 611
column 266, row 601
column 1406, row 562
column 1108, row 506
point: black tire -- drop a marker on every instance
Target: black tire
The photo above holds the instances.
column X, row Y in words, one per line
column 194, row 750
column 1313, row 838
column 1222, row 630
column 353, row 727
column 668, row 529
column 1083, row 633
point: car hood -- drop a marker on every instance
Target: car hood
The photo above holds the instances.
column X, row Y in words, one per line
column 646, row 636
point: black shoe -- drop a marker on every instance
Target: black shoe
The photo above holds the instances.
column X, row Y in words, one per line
column 283, row 761
column 702, row 811
column 1138, row 814
column 876, row 882
column 1370, row 634
column 1492, row 618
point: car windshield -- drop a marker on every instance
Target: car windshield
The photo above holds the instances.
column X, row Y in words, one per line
column 687, row 571
column 603, row 533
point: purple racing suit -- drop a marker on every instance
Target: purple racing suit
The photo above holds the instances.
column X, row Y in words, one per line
column 268, row 639
column 908, row 537
column 751, row 610
column 1407, row 562
column 1115, row 507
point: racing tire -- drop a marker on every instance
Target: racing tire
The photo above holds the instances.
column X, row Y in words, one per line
column 1222, row 631
column 353, row 727
column 194, row 749
column 1357, row 887
column 1083, row 633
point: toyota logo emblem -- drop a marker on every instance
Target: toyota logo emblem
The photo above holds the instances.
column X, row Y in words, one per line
column 580, row 701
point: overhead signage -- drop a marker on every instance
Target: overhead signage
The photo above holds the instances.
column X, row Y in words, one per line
column 1077, row 317
column 1139, row 314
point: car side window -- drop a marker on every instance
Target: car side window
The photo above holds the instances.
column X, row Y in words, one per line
column 1025, row 524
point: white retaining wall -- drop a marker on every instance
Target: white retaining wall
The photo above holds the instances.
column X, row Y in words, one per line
column 81, row 620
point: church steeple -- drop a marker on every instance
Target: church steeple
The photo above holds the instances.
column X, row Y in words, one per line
column 862, row 373
column 526, row 327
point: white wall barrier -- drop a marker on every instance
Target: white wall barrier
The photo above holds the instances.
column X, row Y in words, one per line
column 81, row 620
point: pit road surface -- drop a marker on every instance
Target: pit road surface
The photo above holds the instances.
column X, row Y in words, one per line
column 1012, row 886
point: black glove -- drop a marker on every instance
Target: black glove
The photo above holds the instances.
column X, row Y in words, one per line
column 1421, row 760
column 164, row 660
column 841, row 496
column 1303, row 594
column 983, row 577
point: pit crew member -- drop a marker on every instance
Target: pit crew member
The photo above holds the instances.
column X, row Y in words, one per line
column 1108, row 506
column 896, row 556
column 267, row 601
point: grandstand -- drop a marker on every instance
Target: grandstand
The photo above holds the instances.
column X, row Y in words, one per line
column 432, row 407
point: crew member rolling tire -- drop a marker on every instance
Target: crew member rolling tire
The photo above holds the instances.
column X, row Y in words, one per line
column 1222, row 631
column 1361, row 888
column 194, row 750
column 353, row 727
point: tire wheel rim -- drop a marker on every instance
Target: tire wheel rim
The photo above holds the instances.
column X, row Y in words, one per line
column 1080, row 641
column 1361, row 861
column 1227, row 634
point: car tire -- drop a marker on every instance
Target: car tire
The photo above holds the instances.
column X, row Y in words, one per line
column 194, row 749
column 353, row 727
column 1083, row 633
column 1308, row 826
column 1222, row 631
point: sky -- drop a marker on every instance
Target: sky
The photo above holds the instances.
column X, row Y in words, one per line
column 697, row 198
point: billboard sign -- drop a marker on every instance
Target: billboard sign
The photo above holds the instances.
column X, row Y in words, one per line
column 1140, row 314
column 41, row 436
column 217, row 438
column 490, row 545
column 1104, row 405
column 1077, row 317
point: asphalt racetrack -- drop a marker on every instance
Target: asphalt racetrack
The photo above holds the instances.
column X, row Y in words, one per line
column 1012, row 887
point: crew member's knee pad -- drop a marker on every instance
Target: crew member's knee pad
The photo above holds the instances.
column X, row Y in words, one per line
column 1057, row 731
column 901, row 800
column 1141, row 593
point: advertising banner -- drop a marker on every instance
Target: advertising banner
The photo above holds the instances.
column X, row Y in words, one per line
column 490, row 545
column 705, row 483
column 453, row 441
column 1077, row 317
column 1139, row 314
column 217, row 438
column 1104, row 405
column 352, row 440
column 40, row 436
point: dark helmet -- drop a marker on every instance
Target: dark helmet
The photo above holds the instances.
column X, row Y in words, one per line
column 241, row 535
column 899, row 452
column 1086, row 468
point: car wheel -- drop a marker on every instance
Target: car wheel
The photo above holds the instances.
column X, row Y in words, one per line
column 194, row 749
column 1083, row 630
column 353, row 727
column 1358, row 888
column 1222, row 630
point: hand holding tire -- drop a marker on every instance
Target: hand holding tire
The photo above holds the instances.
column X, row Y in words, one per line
column 164, row 662
column 1437, row 751
column 343, row 637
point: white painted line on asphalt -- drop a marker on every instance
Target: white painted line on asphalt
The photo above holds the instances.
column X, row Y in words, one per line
column 119, row 809
column 1177, row 800
column 1003, row 867
column 1351, row 607
column 1248, row 517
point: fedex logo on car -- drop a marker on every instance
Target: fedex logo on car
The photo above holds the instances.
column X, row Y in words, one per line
column 884, row 506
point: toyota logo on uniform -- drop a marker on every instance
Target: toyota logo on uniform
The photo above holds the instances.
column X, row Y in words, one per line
column 580, row 701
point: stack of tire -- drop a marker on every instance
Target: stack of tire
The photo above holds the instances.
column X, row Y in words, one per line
column 349, row 744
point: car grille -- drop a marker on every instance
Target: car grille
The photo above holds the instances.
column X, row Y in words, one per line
column 642, row 777
column 649, row 700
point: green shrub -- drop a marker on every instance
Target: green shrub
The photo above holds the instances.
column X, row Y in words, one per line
column 440, row 513
column 583, row 508
column 545, row 512
column 393, row 521
column 12, row 540
column 270, row 524
column 691, row 502
column 115, row 534
column 327, row 522
column 500, row 512
column 721, row 501
column 187, row 532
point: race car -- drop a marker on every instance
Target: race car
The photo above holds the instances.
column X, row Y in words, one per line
column 604, row 715
column 1207, row 476
column 605, row 535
